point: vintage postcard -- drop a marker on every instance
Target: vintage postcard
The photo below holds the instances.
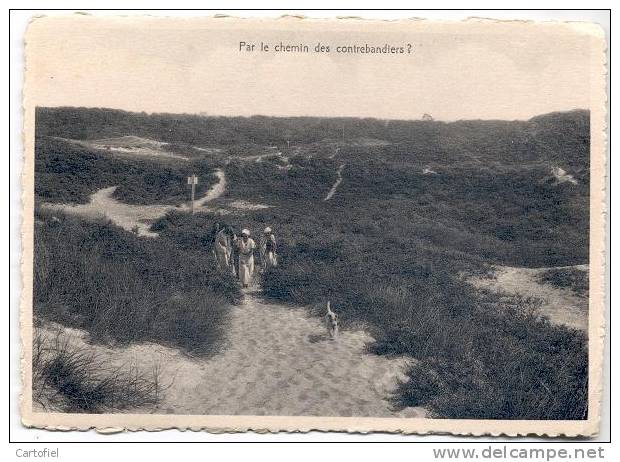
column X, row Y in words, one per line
column 294, row 224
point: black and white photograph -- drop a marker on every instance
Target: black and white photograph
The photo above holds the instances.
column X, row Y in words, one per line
column 291, row 224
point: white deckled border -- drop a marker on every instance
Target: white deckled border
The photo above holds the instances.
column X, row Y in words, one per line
column 107, row 423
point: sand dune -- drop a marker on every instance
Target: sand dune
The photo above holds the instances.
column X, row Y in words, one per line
column 130, row 146
column 131, row 216
column 561, row 305
column 277, row 360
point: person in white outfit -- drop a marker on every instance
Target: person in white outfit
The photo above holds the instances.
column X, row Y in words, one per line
column 222, row 249
column 245, row 247
column 268, row 250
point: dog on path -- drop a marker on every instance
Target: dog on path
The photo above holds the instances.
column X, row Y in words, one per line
column 331, row 320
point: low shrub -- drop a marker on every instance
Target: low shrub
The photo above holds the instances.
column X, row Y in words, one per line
column 511, row 366
column 572, row 278
column 67, row 378
column 123, row 288
column 70, row 173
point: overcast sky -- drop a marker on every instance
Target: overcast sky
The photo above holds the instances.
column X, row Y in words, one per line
column 455, row 71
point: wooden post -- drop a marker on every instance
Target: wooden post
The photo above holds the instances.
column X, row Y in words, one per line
column 193, row 194
column 193, row 181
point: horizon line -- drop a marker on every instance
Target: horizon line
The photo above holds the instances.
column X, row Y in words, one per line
column 207, row 115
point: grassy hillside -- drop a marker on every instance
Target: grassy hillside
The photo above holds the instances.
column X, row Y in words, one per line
column 517, row 217
column 560, row 137
column 421, row 205
column 67, row 172
column 492, row 194
column 122, row 288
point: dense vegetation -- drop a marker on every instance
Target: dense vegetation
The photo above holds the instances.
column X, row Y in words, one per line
column 67, row 172
column 122, row 288
column 516, row 217
column 392, row 248
column 69, row 378
column 559, row 137
column 572, row 278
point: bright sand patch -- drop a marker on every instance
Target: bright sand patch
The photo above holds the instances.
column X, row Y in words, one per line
column 131, row 216
column 129, row 146
column 247, row 205
column 561, row 305
column 277, row 361
column 334, row 187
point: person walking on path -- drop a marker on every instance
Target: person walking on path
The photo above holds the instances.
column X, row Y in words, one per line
column 222, row 248
column 245, row 247
column 233, row 258
column 268, row 250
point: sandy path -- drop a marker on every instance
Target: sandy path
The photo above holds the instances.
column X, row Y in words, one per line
column 332, row 191
column 561, row 305
column 278, row 361
column 216, row 191
column 130, row 216
column 334, row 154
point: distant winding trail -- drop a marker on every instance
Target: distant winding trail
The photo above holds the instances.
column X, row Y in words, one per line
column 332, row 191
column 335, row 153
column 131, row 216
column 217, row 190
